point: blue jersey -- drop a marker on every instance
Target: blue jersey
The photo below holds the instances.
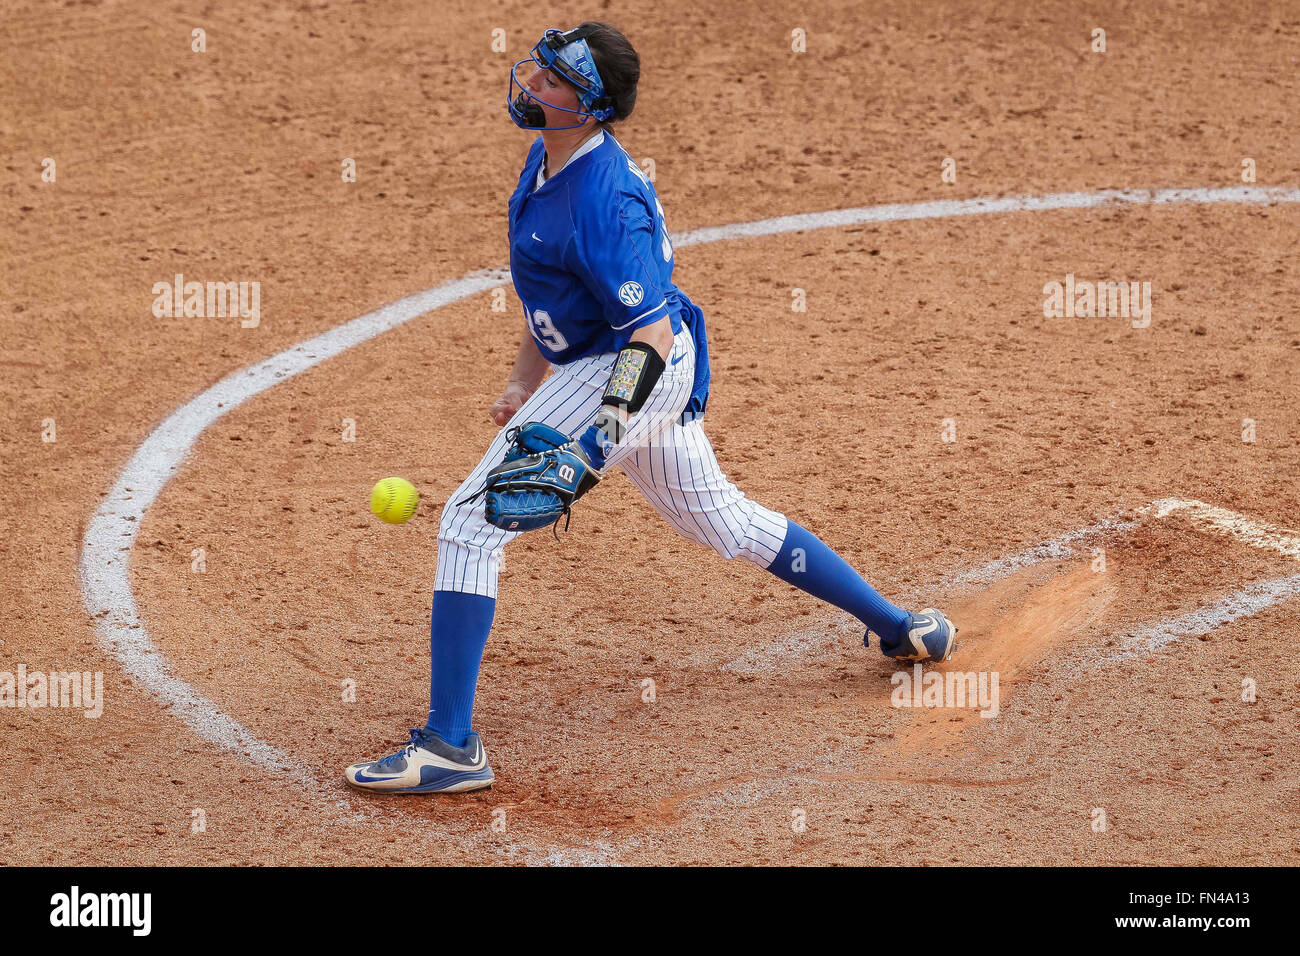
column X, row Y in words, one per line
column 591, row 259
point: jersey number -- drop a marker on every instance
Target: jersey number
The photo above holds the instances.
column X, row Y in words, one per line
column 667, row 245
column 544, row 330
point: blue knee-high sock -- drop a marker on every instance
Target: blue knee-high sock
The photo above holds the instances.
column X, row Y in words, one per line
column 809, row 564
column 457, row 637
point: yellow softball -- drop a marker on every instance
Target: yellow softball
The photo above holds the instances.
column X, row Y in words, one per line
column 394, row 500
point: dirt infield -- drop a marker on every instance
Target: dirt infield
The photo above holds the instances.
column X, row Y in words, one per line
column 1039, row 478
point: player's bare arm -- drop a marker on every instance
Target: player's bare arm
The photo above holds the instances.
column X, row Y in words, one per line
column 529, row 370
column 658, row 336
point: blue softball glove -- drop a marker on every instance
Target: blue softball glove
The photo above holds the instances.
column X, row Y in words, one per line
column 542, row 475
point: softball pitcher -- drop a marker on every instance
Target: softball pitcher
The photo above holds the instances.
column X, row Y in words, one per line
column 592, row 262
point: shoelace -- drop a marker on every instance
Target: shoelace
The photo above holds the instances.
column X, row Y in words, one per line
column 415, row 740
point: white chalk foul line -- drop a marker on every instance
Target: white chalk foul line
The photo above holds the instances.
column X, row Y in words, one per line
column 1249, row 600
column 1233, row 607
column 1206, row 517
column 948, row 208
column 105, row 585
column 1249, row 531
column 1062, row 546
column 111, row 533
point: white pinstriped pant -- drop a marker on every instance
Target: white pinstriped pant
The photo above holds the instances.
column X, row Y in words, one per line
column 672, row 464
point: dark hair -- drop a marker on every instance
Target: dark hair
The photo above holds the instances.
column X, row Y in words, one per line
column 618, row 65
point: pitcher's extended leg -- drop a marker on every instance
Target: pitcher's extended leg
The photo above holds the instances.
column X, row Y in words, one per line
column 681, row 477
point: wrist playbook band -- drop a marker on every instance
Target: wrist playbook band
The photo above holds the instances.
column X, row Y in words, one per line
column 636, row 371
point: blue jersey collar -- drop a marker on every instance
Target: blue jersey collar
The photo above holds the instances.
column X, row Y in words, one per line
column 582, row 150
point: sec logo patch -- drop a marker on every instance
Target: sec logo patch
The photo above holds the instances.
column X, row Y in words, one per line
column 629, row 293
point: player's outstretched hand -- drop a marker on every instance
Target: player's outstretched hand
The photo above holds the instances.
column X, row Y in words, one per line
column 511, row 399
